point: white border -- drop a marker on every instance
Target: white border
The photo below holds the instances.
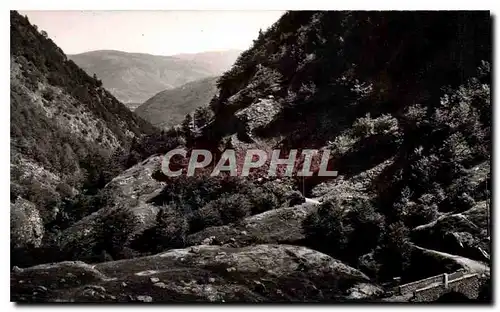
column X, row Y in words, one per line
column 204, row 5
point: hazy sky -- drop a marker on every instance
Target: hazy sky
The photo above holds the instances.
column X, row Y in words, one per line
column 154, row 32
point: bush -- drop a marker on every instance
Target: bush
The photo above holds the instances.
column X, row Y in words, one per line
column 416, row 214
column 367, row 126
column 366, row 227
column 229, row 208
column 113, row 231
column 262, row 200
column 233, row 207
column 168, row 232
column 48, row 94
column 324, row 229
column 205, row 217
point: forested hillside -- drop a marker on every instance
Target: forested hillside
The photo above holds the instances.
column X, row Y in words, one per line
column 169, row 107
column 65, row 131
column 402, row 99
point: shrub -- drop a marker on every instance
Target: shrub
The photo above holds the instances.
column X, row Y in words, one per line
column 363, row 127
column 385, row 124
column 416, row 214
column 366, row 227
column 233, row 207
column 205, row 217
column 171, row 228
column 113, row 231
column 324, row 228
column 48, row 94
column 168, row 232
column 366, row 126
column 262, row 200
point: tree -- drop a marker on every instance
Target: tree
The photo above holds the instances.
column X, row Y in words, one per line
column 325, row 230
column 394, row 253
column 98, row 81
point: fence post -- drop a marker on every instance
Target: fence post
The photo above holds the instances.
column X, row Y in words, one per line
column 445, row 280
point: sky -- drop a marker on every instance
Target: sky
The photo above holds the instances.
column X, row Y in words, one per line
column 153, row 32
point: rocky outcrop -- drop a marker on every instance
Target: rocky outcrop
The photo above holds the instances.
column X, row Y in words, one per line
column 283, row 225
column 258, row 115
column 26, row 224
column 130, row 191
column 261, row 273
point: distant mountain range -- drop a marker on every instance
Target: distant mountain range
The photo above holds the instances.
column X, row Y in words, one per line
column 135, row 77
column 169, row 107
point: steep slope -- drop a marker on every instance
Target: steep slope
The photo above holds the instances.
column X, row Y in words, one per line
column 135, row 77
column 402, row 101
column 64, row 128
column 169, row 107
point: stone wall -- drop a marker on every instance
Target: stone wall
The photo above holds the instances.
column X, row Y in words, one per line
column 469, row 285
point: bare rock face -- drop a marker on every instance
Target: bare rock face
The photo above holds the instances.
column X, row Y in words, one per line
column 260, row 273
column 282, row 225
column 26, row 224
column 130, row 192
column 135, row 186
column 258, row 114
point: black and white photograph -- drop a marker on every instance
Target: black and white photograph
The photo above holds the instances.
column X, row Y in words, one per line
column 251, row 156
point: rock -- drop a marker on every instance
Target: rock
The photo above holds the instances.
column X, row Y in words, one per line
column 95, row 292
column 249, row 274
column 26, row 224
column 160, row 285
column 258, row 114
column 368, row 264
column 145, row 298
column 208, row 240
column 364, row 290
column 124, row 284
column 154, row 280
column 132, row 189
column 282, row 225
column 96, row 288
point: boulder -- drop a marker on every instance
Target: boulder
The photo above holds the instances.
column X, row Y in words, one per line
column 130, row 192
column 282, row 225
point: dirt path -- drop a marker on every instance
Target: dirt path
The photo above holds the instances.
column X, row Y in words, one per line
column 469, row 264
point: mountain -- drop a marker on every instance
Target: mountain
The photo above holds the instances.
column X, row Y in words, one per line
column 402, row 102
column 135, row 77
column 217, row 61
column 169, row 107
column 65, row 129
